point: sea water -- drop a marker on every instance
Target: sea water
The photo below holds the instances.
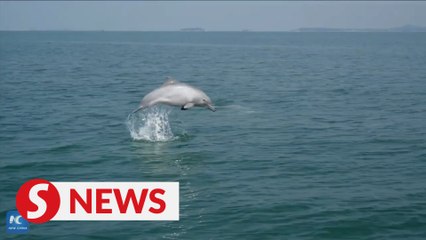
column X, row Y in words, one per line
column 316, row 135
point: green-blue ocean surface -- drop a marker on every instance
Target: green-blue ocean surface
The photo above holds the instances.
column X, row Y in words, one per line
column 316, row 135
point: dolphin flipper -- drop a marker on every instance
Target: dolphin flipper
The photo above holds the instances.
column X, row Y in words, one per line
column 187, row 106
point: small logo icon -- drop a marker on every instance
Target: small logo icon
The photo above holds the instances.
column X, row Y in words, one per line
column 15, row 223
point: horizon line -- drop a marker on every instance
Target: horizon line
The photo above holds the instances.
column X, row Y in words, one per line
column 200, row 29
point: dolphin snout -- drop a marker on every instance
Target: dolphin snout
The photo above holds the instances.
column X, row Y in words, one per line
column 212, row 108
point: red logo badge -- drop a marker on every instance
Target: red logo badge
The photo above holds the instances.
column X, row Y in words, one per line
column 38, row 201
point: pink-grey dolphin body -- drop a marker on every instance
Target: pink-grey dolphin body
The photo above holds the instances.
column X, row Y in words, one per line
column 176, row 93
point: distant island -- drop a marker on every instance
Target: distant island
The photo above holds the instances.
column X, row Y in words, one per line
column 192, row 30
column 405, row 28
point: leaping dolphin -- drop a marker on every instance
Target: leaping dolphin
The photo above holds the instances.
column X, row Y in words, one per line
column 176, row 93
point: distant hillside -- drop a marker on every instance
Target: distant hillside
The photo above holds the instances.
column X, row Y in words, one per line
column 405, row 28
column 408, row 28
column 192, row 30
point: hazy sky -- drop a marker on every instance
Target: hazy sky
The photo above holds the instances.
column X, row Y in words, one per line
column 218, row 15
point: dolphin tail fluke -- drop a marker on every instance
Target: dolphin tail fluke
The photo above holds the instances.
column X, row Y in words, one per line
column 138, row 109
column 135, row 111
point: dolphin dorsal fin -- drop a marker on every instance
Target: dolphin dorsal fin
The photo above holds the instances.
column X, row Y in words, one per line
column 170, row 81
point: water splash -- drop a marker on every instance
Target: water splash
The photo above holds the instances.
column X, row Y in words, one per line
column 151, row 124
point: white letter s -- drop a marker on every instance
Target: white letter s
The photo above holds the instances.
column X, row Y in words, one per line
column 37, row 200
